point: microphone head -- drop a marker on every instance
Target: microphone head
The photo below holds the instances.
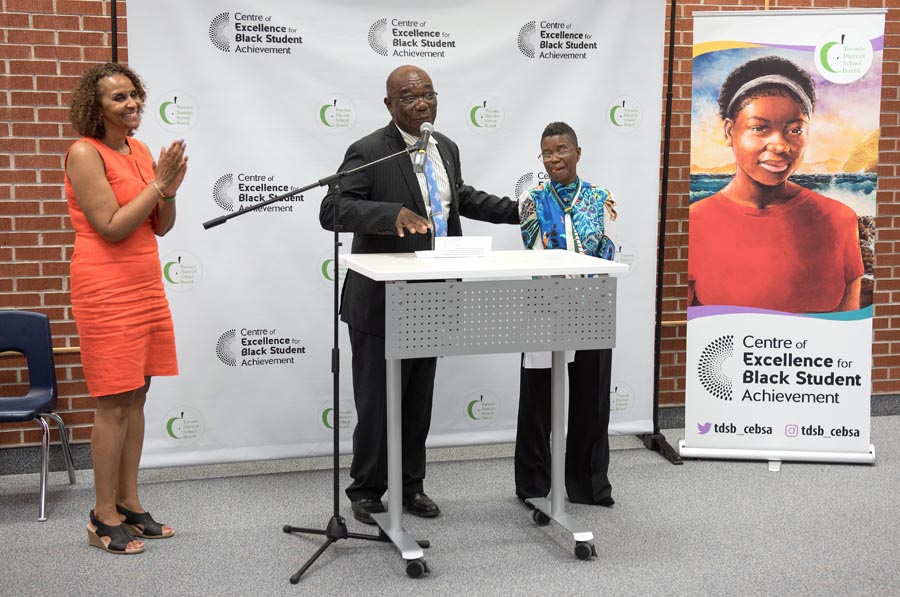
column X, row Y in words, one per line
column 426, row 127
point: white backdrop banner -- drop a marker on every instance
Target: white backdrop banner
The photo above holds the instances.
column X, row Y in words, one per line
column 779, row 345
column 269, row 94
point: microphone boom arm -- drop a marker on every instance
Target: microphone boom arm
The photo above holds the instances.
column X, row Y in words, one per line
column 324, row 182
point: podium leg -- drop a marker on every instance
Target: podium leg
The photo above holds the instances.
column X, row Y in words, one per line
column 555, row 508
column 391, row 521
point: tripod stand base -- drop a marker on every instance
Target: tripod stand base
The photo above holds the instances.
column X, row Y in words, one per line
column 337, row 530
column 334, row 531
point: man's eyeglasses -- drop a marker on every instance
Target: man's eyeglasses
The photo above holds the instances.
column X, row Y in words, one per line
column 562, row 154
column 410, row 100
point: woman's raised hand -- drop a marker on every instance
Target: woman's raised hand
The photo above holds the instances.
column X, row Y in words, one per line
column 171, row 166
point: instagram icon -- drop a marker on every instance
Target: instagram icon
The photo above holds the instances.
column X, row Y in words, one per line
column 791, row 430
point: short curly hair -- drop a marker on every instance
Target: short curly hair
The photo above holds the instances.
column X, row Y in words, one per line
column 729, row 105
column 559, row 128
column 84, row 110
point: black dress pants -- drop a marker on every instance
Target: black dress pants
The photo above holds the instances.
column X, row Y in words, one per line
column 587, row 440
column 369, row 465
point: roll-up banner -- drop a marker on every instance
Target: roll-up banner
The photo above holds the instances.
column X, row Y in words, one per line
column 784, row 149
column 269, row 94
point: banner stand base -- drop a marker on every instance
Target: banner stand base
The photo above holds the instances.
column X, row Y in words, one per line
column 658, row 443
column 778, row 455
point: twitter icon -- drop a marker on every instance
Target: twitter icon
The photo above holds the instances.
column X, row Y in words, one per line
column 703, row 428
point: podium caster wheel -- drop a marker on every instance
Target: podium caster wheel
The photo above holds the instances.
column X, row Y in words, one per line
column 416, row 568
column 584, row 550
column 540, row 518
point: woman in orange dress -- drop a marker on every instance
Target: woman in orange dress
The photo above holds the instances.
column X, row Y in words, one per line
column 119, row 200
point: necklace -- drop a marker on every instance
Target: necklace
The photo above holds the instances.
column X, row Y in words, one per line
column 568, row 210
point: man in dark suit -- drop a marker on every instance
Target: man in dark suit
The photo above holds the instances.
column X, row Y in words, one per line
column 392, row 209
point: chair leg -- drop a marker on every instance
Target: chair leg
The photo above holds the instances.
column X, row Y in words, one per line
column 64, row 440
column 45, row 459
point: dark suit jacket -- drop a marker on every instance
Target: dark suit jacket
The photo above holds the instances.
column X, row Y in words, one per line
column 368, row 205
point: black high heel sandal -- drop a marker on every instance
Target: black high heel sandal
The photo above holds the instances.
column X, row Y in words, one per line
column 118, row 537
column 141, row 524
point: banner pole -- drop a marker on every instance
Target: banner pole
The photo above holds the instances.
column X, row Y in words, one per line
column 657, row 441
column 114, row 29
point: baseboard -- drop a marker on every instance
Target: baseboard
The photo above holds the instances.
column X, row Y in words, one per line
column 23, row 460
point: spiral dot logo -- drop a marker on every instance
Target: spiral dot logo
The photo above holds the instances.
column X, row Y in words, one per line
column 376, row 32
column 220, row 192
column 525, row 182
column 217, row 31
column 223, row 348
column 709, row 370
column 526, row 45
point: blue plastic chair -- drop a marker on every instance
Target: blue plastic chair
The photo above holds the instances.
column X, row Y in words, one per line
column 28, row 333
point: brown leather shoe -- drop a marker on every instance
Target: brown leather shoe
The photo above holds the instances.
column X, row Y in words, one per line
column 364, row 509
column 419, row 504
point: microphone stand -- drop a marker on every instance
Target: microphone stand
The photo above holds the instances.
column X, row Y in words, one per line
column 336, row 528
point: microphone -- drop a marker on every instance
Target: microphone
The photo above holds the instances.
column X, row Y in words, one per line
column 419, row 159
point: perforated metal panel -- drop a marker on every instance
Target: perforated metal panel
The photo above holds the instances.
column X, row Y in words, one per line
column 425, row 319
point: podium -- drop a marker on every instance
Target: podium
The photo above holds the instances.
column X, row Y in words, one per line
column 508, row 301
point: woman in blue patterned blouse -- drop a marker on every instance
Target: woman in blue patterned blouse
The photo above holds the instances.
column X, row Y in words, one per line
column 571, row 214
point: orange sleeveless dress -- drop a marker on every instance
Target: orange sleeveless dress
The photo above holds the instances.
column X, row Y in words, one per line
column 118, row 299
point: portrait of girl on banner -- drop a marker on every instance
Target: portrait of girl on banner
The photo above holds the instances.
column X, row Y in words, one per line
column 782, row 187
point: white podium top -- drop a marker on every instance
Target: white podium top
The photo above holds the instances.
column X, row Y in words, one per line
column 499, row 265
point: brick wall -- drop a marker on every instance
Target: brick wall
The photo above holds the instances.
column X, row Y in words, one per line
column 46, row 44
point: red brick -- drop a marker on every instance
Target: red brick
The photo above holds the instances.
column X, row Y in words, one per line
column 39, row 284
column 100, row 54
column 10, row 438
column 33, row 129
column 35, row 253
column 57, row 52
column 80, row 38
column 65, row 237
column 58, row 83
column 81, row 7
column 56, row 22
column 19, row 269
column 29, row 6
column 18, row 176
column 38, row 161
column 30, row 37
column 34, row 98
column 36, row 191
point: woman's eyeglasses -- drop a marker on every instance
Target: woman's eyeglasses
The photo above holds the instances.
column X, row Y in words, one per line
column 549, row 156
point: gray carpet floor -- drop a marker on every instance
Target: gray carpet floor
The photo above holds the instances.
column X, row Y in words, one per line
column 702, row 528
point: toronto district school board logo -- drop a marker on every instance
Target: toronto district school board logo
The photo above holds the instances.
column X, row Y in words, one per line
column 183, row 424
column 624, row 114
column 481, row 408
column 181, row 271
column 843, row 56
column 336, row 113
column 177, row 111
column 709, row 369
column 345, row 418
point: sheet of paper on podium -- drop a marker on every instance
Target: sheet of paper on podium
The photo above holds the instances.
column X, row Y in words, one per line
column 459, row 246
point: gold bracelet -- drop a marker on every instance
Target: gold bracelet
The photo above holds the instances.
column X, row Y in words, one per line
column 162, row 195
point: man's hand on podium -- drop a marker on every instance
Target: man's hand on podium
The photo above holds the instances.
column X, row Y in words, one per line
column 408, row 220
